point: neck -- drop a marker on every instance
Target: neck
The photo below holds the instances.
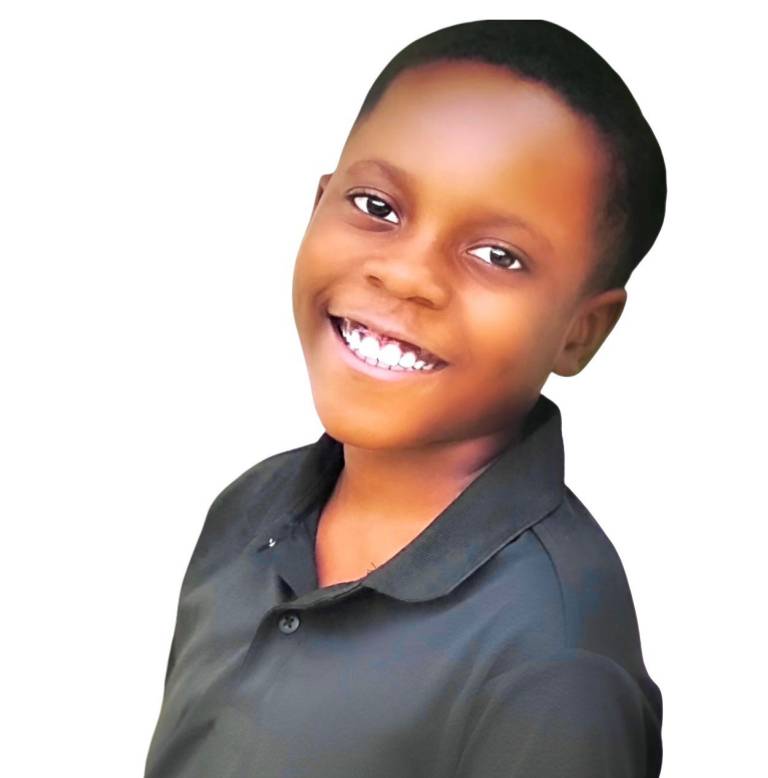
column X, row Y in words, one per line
column 408, row 487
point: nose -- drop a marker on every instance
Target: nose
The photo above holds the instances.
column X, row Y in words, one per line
column 410, row 273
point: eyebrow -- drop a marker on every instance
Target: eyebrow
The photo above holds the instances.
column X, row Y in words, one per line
column 397, row 174
column 403, row 178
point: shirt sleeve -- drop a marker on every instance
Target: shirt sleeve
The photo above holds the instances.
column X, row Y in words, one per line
column 574, row 714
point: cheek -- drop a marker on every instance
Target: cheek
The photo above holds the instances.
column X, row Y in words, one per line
column 499, row 325
column 310, row 274
column 320, row 257
column 513, row 334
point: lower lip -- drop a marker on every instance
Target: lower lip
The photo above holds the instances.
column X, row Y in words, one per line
column 382, row 373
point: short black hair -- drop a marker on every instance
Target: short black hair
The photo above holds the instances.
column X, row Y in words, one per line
column 630, row 218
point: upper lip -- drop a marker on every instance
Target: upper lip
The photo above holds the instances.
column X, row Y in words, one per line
column 385, row 327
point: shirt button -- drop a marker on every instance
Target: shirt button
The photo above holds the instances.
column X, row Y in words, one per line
column 289, row 622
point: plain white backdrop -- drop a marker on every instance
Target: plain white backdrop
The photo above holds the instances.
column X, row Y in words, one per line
column 158, row 164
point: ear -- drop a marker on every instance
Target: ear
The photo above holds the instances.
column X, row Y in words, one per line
column 591, row 325
column 321, row 187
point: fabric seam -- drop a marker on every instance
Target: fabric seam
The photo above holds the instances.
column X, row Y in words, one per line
column 563, row 611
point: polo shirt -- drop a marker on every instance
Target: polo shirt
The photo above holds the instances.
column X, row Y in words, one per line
column 501, row 641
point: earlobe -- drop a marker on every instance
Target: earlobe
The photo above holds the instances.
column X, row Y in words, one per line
column 588, row 331
column 574, row 352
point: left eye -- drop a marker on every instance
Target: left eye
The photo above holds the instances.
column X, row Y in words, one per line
column 378, row 208
column 500, row 257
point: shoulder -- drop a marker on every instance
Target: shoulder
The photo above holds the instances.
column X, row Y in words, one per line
column 598, row 610
column 580, row 703
column 565, row 569
column 599, row 613
column 571, row 712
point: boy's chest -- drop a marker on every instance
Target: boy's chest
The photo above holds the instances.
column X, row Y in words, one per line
column 351, row 685
column 336, row 683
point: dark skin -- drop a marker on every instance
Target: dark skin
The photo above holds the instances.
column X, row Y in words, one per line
column 504, row 306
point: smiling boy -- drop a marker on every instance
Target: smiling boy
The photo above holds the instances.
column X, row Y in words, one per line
column 418, row 593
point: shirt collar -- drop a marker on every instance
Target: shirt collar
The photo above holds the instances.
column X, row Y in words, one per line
column 521, row 486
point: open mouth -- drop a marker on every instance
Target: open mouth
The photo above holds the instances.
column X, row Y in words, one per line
column 384, row 352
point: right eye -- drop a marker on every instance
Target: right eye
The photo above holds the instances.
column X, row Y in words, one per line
column 379, row 207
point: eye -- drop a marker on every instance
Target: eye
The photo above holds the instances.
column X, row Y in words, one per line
column 500, row 257
column 379, row 207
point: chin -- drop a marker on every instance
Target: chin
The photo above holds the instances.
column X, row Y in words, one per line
column 362, row 430
column 353, row 430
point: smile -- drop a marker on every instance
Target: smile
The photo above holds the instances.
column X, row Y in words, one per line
column 380, row 355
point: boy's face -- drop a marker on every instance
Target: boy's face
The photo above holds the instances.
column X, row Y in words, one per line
column 439, row 254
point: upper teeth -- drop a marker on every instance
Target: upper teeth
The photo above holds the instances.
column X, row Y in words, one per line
column 389, row 355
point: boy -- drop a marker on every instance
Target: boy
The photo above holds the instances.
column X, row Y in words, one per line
column 418, row 593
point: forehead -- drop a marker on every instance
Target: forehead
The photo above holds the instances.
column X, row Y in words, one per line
column 472, row 136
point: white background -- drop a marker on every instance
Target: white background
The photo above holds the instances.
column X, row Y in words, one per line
column 158, row 164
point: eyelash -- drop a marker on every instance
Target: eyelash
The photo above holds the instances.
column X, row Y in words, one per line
column 372, row 196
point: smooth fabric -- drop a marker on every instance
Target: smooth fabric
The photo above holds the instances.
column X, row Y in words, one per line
column 502, row 641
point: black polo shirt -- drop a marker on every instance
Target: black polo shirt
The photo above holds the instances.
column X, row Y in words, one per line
column 501, row 641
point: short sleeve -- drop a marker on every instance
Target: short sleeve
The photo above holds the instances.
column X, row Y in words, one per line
column 574, row 714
